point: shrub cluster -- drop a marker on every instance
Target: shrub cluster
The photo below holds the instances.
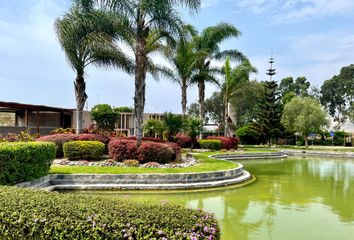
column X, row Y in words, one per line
column 212, row 144
column 88, row 150
column 34, row 214
column 24, row 161
column 63, row 131
column 60, row 139
column 150, row 139
column 184, row 141
column 121, row 149
column 23, row 136
column 155, row 152
column 226, row 142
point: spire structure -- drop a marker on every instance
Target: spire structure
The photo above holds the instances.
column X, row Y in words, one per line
column 271, row 71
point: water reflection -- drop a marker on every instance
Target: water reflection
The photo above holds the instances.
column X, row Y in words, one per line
column 291, row 199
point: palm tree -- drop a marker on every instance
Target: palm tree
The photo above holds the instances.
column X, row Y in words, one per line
column 234, row 79
column 182, row 59
column 87, row 37
column 144, row 17
column 207, row 45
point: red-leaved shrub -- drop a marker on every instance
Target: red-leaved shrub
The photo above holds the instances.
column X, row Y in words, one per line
column 122, row 149
column 183, row 141
column 226, row 142
column 151, row 139
column 157, row 152
column 235, row 141
column 60, row 139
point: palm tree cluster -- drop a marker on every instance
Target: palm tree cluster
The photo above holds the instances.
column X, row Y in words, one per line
column 93, row 32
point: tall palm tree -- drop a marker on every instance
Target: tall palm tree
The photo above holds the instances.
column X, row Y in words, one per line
column 182, row 59
column 207, row 44
column 87, row 37
column 234, row 79
column 143, row 17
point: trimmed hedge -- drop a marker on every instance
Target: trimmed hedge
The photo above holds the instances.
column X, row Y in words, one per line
column 24, row 161
column 155, row 152
column 184, row 141
column 86, row 150
column 34, row 214
column 210, row 144
column 60, row 139
column 121, row 149
column 226, row 142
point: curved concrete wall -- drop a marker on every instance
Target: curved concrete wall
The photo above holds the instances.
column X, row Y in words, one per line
column 140, row 181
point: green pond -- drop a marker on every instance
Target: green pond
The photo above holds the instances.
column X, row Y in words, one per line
column 294, row 198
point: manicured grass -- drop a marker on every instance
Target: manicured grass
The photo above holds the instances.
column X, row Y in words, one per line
column 206, row 164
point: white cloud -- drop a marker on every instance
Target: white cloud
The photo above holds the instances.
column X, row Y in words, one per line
column 318, row 56
column 285, row 11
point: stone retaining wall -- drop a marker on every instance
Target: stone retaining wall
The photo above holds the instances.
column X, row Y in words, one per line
column 250, row 156
column 320, row 154
column 140, row 181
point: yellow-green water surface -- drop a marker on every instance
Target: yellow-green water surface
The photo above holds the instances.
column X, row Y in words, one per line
column 302, row 199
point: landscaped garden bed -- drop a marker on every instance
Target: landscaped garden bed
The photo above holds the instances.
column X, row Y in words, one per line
column 34, row 214
column 205, row 164
column 107, row 162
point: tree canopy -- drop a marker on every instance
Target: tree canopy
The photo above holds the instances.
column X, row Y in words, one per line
column 338, row 95
column 304, row 115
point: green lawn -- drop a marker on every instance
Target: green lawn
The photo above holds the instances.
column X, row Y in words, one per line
column 206, row 164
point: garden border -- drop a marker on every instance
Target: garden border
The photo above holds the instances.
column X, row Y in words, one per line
column 250, row 156
column 319, row 153
column 140, row 181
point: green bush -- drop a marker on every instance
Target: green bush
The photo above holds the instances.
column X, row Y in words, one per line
column 24, row 161
column 104, row 116
column 210, row 144
column 88, row 150
column 34, row 214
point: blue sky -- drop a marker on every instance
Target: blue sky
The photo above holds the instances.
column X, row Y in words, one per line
column 312, row 38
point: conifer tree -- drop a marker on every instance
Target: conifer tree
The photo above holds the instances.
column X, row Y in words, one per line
column 268, row 114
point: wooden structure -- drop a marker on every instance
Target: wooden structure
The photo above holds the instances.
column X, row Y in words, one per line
column 40, row 119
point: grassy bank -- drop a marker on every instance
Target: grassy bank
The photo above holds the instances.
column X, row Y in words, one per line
column 205, row 164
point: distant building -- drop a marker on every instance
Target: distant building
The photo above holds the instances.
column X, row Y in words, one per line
column 39, row 119
column 125, row 124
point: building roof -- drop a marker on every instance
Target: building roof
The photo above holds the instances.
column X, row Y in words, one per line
column 15, row 105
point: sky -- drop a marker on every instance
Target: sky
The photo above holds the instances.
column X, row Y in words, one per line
column 311, row 38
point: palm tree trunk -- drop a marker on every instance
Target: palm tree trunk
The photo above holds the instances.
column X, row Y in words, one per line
column 184, row 99
column 201, row 89
column 80, row 94
column 226, row 122
column 140, row 77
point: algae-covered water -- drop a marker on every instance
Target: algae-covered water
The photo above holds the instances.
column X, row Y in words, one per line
column 303, row 198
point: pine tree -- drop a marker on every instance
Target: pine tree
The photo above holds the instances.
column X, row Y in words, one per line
column 268, row 114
